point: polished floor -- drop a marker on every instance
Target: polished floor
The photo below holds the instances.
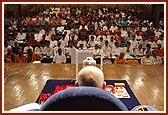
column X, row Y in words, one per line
column 22, row 83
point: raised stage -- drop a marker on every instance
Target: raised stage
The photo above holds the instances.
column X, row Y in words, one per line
column 24, row 82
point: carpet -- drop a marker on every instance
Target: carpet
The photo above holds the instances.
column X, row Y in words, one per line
column 130, row 102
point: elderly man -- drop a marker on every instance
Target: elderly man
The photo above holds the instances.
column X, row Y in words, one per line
column 90, row 76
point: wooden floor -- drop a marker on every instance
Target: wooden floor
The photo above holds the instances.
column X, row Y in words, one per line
column 24, row 82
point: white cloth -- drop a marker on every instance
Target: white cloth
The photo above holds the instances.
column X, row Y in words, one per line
column 27, row 107
column 21, row 37
column 59, row 58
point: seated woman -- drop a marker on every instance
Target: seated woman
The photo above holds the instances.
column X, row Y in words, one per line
column 120, row 59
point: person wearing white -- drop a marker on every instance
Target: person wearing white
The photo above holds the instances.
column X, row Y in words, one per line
column 134, row 43
column 96, row 51
column 47, row 36
column 152, row 43
column 27, row 47
column 116, row 50
column 66, row 37
column 52, row 31
column 157, row 32
column 124, row 33
column 60, row 29
column 41, row 31
column 106, row 50
column 157, row 59
column 39, row 50
column 113, row 27
column 38, row 36
column 48, row 51
column 138, row 52
column 101, row 42
column 147, row 59
column 161, row 41
column 73, row 36
column 82, row 41
column 111, row 42
column 53, row 42
column 81, row 26
column 143, row 42
column 60, row 57
column 21, row 36
column 68, row 50
column 58, row 47
column 101, row 36
column 91, row 42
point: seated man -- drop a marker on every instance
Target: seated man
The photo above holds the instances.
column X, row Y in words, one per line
column 31, row 56
column 120, row 59
column 147, row 59
column 60, row 57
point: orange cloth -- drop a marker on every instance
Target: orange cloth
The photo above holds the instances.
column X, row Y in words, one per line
column 132, row 62
column 160, row 52
column 120, row 61
column 116, row 31
column 30, row 22
column 9, row 58
column 20, row 59
column 155, row 38
column 98, row 32
column 36, row 57
column 118, row 38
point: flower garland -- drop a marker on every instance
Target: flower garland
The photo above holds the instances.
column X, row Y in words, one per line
column 45, row 96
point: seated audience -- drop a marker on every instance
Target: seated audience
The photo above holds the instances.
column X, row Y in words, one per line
column 147, row 59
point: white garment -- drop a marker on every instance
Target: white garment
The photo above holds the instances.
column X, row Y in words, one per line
column 53, row 43
column 96, row 52
column 161, row 42
column 106, row 51
column 98, row 37
column 60, row 29
column 38, row 36
column 26, row 48
column 138, row 52
column 21, row 37
column 27, row 107
column 81, row 42
column 115, row 51
column 56, row 50
column 153, row 44
column 48, row 51
column 59, row 58
column 134, row 44
column 124, row 33
column 39, row 50
column 48, row 37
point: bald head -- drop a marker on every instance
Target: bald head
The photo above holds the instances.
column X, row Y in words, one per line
column 90, row 76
